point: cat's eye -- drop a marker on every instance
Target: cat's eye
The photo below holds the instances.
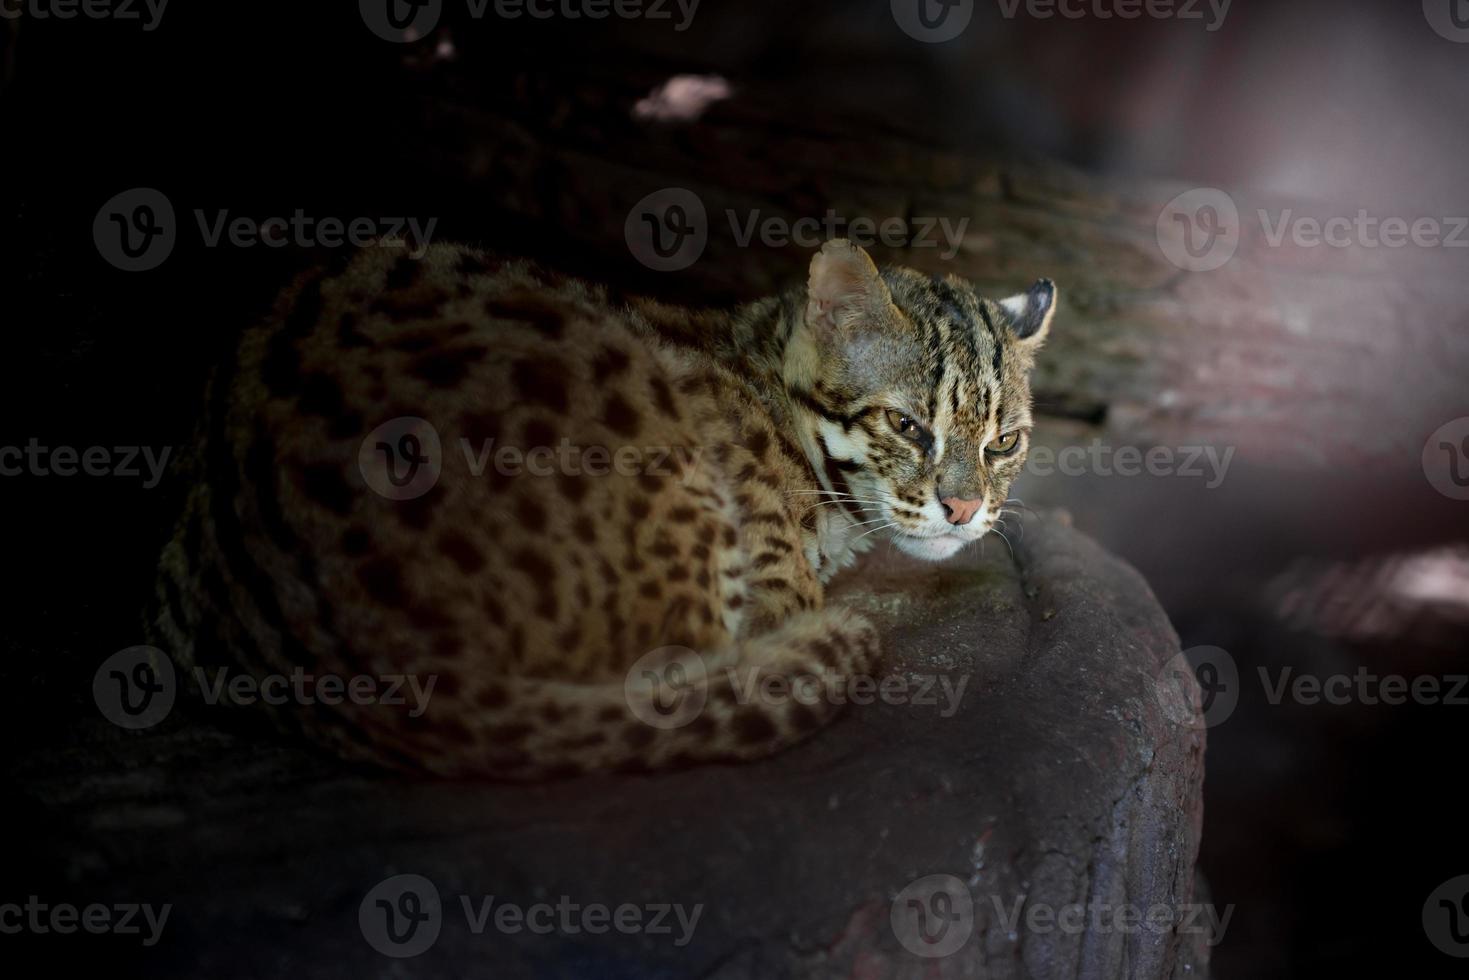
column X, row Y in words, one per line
column 904, row 425
column 1005, row 444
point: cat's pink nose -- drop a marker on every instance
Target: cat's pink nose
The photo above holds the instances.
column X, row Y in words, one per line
column 961, row 511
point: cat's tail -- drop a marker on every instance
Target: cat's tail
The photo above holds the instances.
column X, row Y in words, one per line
column 674, row 707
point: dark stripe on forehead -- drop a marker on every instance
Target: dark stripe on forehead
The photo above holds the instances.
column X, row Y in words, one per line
column 998, row 359
column 949, row 300
column 936, row 349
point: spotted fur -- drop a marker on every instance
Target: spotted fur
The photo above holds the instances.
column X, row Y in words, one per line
column 530, row 598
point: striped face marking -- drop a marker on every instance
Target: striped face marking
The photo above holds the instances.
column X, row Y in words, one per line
column 915, row 398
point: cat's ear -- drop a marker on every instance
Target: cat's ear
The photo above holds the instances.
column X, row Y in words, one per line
column 1031, row 312
column 843, row 288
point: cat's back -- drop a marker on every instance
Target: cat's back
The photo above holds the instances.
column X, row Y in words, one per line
column 414, row 455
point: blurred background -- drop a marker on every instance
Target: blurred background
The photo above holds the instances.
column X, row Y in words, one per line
column 1165, row 171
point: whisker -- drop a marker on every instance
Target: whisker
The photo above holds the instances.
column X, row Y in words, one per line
column 879, row 528
column 1001, row 521
column 1020, row 503
column 857, row 503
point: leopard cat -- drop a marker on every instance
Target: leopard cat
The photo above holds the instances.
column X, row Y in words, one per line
column 792, row 433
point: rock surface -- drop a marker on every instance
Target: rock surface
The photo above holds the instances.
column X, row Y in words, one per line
column 1053, row 777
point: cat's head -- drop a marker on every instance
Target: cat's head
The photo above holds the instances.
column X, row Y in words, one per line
column 920, row 392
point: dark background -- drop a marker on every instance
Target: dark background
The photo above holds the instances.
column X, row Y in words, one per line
column 1326, row 826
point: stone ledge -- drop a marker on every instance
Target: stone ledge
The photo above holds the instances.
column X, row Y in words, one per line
column 1058, row 777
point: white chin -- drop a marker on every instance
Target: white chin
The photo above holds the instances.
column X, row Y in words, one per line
column 931, row 549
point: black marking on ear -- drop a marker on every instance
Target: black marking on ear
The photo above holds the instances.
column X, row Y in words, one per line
column 1030, row 310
